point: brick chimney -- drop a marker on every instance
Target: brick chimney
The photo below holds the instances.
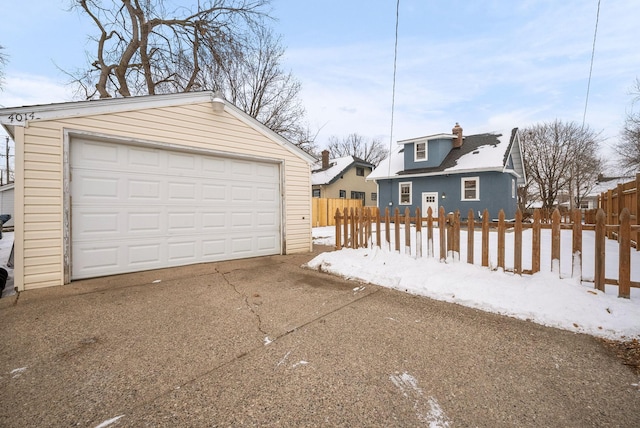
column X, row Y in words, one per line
column 325, row 159
column 457, row 131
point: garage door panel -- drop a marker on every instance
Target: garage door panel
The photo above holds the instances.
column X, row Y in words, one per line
column 181, row 191
column 181, row 222
column 182, row 251
column 147, row 190
column 143, row 254
column 144, row 222
column 149, row 159
column 147, row 208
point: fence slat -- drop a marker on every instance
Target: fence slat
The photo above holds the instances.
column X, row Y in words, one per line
column 338, row 232
column 555, row 241
column 387, row 228
column 599, row 250
column 576, row 250
column 443, row 232
column 624, row 261
column 535, row 242
column 430, row 233
column 418, row 233
column 396, row 223
column 501, row 239
column 517, row 244
column 345, row 226
column 471, row 226
column 485, row 237
column 407, row 231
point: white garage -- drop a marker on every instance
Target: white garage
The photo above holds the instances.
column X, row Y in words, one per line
column 124, row 185
column 136, row 208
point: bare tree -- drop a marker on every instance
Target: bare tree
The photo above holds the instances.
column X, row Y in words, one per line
column 255, row 82
column 369, row 150
column 222, row 45
column 560, row 158
column 144, row 48
column 628, row 148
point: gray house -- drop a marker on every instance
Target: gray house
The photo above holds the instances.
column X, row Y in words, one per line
column 453, row 171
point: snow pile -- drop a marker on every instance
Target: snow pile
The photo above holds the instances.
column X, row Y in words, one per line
column 543, row 298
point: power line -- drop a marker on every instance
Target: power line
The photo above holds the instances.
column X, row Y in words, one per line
column 393, row 91
column 593, row 52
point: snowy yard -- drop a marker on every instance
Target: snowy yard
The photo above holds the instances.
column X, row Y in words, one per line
column 544, row 298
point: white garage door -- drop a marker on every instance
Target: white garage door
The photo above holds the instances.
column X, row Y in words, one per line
column 139, row 208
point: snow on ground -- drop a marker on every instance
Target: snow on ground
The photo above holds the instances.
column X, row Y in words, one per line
column 544, row 298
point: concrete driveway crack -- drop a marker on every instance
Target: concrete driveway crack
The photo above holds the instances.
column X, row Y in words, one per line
column 245, row 299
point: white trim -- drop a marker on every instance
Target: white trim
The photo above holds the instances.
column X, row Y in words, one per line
column 115, row 105
column 426, row 151
column 427, row 138
column 462, row 188
column 410, row 183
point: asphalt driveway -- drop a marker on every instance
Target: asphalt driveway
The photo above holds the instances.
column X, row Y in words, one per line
column 263, row 342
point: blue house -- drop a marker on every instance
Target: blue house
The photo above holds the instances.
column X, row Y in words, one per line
column 453, row 171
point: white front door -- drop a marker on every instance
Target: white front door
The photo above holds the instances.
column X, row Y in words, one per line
column 430, row 200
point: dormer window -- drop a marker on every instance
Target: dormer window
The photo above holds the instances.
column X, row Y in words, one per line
column 421, row 151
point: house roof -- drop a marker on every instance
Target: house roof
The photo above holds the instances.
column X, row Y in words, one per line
column 336, row 168
column 480, row 152
column 20, row 116
column 608, row 183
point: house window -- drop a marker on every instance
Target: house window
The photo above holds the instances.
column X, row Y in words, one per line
column 359, row 171
column 513, row 188
column 316, row 193
column 405, row 193
column 343, row 194
column 357, row 195
column 421, row 151
column 471, row 189
column 374, row 196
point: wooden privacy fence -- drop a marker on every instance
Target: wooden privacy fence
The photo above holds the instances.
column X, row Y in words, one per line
column 614, row 201
column 322, row 209
column 355, row 229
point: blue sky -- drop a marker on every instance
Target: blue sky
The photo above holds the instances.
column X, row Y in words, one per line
column 490, row 65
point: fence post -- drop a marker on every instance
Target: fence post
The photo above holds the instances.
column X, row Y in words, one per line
column 599, row 250
column 450, row 235
column 418, row 233
column 337, row 218
column 387, row 227
column 485, row 237
column 517, row 244
column 624, row 262
column 443, row 234
column 345, row 226
column 456, row 234
column 535, row 242
column 501, row 233
column 355, row 228
column 396, row 224
column 577, row 245
column 555, row 241
column 407, row 231
column 378, row 231
column 471, row 225
column 430, row 232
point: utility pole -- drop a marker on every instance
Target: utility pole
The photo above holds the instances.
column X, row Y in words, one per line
column 7, row 141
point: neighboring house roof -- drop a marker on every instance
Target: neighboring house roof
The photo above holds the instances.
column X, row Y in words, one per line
column 608, row 183
column 480, row 152
column 20, row 116
column 337, row 167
